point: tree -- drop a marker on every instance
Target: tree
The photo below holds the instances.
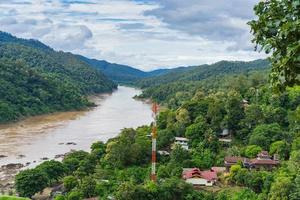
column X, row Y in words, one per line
column 165, row 138
column 281, row 189
column 253, row 116
column 30, row 181
column 245, row 194
column 87, row 166
column 281, row 148
column 277, row 31
column 183, row 117
column 295, row 195
column 72, row 160
column 203, row 157
column 125, row 191
column 195, row 132
column 74, row 195
column 263, row 135
column 53, row 169
column 163, row 172
column 296, row 144
column 131, row 147
column 174, row 188
column 179, row 155
column 70, row 182
column 251, row 151
column 234, row 110
column 71, row 164
column 59, row 197
column 88, row 187
column 98, row 149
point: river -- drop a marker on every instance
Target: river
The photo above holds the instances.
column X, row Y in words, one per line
column 46, row 136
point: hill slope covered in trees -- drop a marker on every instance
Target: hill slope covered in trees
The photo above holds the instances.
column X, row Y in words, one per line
column 196, row 73
column 116, row 72
column 35, row 79
column 122, row 73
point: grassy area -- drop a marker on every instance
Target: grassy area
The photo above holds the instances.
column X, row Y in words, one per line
column 12, row 198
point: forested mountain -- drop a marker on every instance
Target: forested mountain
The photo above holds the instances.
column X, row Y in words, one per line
column 240, row 122
column 122, row 73
column 120, row 168
column 8, row 38
column 116, row 72
column 195, row 73
column 36, row 79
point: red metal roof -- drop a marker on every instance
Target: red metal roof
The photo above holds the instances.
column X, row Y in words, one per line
column 195, row 172
column 209, row 175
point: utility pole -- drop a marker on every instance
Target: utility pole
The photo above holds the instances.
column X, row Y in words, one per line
column 154, row 135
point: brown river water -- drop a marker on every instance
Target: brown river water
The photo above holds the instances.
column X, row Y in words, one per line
column 47, row 136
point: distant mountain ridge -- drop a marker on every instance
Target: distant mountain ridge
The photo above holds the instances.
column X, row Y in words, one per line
column 196, row 73
column 121, row 73
column 116, row 72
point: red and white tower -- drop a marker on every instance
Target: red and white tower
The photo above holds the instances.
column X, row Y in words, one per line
column 154, row 135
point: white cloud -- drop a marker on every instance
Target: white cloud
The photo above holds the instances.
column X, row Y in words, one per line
column 144, row 34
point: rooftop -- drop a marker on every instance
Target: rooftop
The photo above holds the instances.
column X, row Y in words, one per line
column 181, row 139
column 196, row 172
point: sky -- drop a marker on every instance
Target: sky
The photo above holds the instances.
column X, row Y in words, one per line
column 146, row 34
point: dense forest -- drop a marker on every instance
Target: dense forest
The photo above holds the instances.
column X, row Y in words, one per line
column 248, row 112
column 122, row 73
column 35, row 79
column 196, row 73
column 120, row 168
column 118, row 73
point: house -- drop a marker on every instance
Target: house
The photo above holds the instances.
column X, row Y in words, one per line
column 163, row 153
column 225, row 132
column 245, row 103
column 219, row 170
column 233, row 160
column 224, row 140
column 196, row 177
column 224, row 136
column 183, row 142
column 263, row 160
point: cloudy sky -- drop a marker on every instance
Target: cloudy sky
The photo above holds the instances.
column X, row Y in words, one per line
column 146, row 34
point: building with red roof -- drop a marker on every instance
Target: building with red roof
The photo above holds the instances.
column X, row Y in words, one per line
column 196, row 177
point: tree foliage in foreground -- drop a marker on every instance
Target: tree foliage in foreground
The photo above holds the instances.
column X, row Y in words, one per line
column 30, row 181
column 277, row 31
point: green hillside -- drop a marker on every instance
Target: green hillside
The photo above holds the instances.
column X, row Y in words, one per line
column 123, row 73
column 196, row 73
column 35, row 79
column 116, row 72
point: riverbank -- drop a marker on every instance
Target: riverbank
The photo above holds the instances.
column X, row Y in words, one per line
column 31, row 141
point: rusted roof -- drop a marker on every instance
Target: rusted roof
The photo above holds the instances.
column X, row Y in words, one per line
column 263, row 162
column 233, row 159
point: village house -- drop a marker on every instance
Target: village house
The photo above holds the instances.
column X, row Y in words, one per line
column 245, row 103
column 196, row 177
column 263, row 160
column 224, row 136
column 183, row 142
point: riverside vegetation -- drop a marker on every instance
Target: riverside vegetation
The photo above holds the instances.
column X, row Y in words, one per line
column 199, row 107
column 120, row 168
